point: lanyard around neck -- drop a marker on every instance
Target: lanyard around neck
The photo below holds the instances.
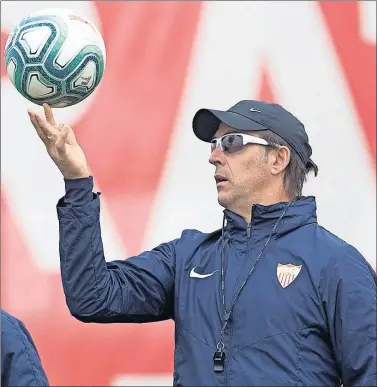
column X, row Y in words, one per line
column 219, row 356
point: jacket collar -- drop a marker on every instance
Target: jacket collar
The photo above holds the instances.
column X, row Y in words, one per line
column 300, row 212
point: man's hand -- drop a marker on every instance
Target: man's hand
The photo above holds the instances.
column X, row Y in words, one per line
column 61, row 144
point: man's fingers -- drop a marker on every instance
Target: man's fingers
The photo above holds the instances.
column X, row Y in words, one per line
column 40, row 132
column 47, row 128
column 49, row 114
column 52, row 135
column 33, row 119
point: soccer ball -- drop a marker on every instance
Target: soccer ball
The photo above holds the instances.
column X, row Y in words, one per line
column 55, row 56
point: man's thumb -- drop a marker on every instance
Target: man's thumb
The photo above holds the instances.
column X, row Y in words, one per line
column 60, row 142
column 65, row 132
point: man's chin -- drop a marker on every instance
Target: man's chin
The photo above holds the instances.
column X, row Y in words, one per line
column 223, row 199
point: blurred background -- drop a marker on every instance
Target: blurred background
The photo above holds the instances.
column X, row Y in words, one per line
column 165, row 60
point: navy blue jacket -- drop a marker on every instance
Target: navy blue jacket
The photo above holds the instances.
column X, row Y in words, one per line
column 20, row 362
column 307, row 316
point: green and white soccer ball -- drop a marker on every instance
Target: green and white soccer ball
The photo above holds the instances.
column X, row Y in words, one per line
column 55, row 56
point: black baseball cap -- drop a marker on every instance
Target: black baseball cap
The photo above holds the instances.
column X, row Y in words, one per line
column 249, row 115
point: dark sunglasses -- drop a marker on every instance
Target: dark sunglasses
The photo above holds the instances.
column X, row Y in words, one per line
column 234, row 142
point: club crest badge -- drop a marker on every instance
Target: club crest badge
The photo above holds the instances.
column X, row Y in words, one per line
column 287, row 273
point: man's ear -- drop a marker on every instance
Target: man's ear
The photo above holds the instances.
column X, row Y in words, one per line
column 279, row 159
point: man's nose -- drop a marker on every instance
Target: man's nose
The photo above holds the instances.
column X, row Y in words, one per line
column 217, row 156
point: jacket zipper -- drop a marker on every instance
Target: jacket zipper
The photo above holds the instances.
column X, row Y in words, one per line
column 248, row 233
column 248, row 229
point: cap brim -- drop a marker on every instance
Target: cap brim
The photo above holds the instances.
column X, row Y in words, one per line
column 206, row 122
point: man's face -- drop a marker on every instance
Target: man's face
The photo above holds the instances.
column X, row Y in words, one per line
column 241, row 176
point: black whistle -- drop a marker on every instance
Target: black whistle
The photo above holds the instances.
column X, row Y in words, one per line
column 218, row 361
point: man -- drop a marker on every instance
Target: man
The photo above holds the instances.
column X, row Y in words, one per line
column 272, row 299
column 20, row 362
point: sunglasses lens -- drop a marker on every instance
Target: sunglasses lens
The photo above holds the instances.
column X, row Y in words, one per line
column 232, row 143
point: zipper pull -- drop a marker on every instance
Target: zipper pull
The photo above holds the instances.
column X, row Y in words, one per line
column 248, row 230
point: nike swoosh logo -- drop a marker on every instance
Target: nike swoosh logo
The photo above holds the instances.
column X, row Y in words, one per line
column 194, row 274
column 255, row 110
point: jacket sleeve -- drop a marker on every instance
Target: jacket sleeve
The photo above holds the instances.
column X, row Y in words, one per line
column 349, row 299
column 20, row 361
column 138, row 289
